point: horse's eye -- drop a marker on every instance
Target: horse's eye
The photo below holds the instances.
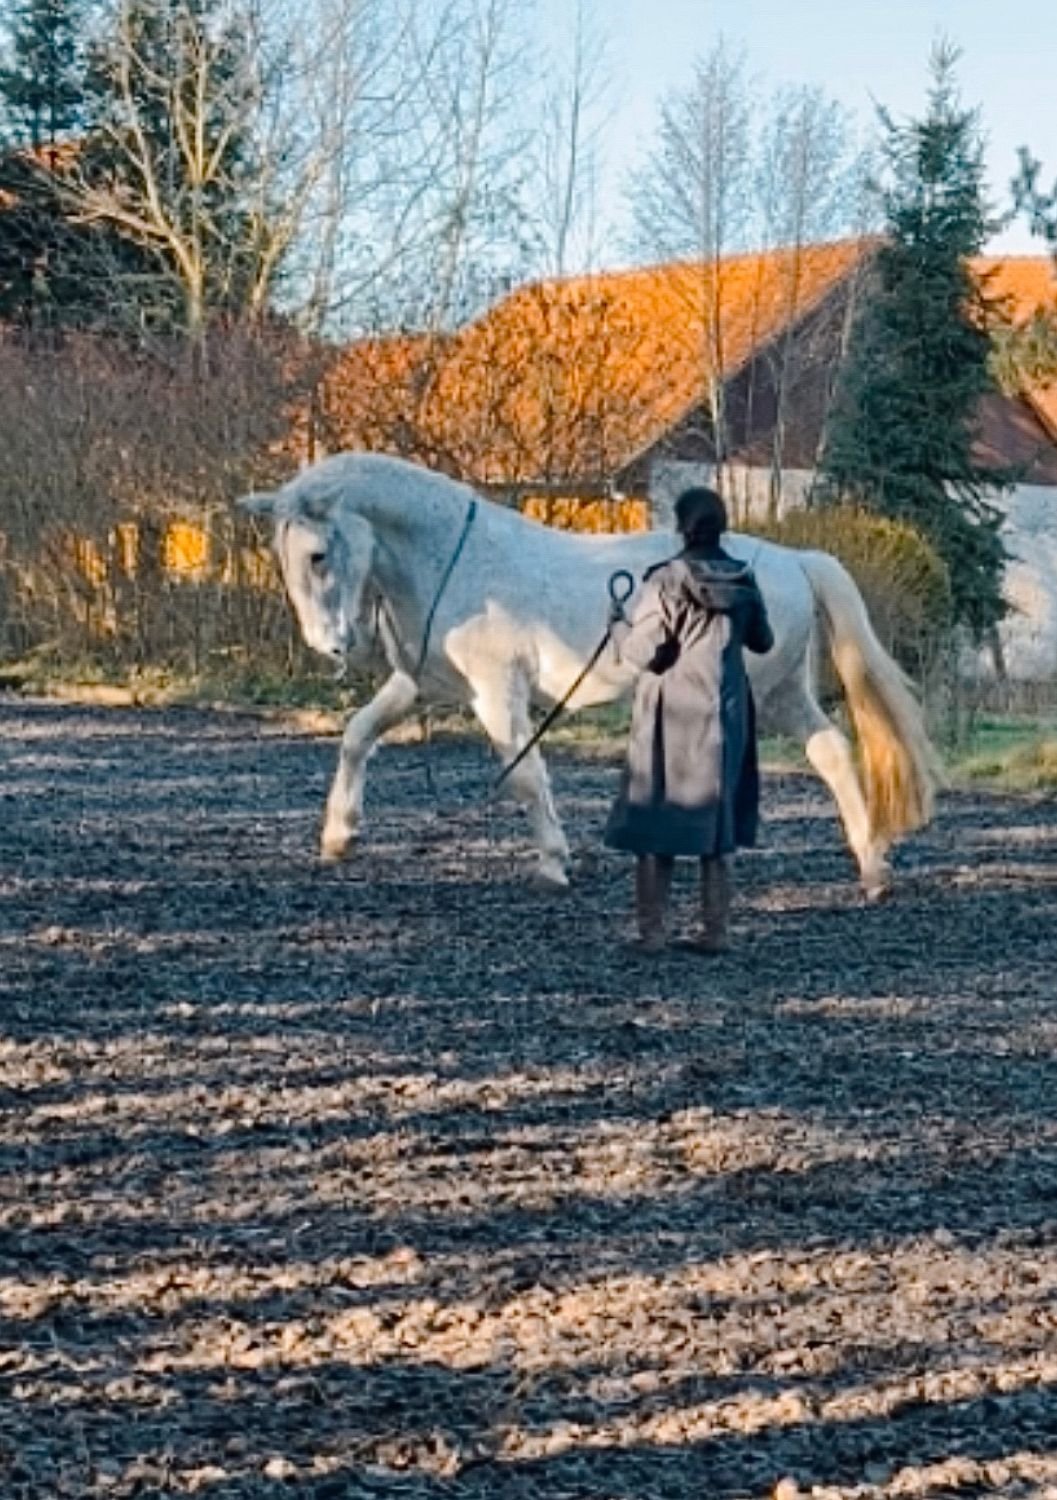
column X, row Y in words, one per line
column 318, row 561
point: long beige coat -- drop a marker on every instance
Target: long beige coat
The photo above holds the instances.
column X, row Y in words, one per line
column 691, row 785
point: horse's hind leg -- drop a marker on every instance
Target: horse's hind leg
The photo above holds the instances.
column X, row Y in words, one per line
column 341, row 822
column 795, row 712
column 502, row 707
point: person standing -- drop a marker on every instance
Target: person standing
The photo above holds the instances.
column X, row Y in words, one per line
column 691, row 784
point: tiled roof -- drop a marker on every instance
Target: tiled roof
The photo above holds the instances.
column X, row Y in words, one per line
column 573, row 379
column 1029, row 282
column 576, row 377
column 371, row 388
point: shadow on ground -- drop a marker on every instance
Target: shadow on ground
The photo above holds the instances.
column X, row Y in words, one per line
column 404, row 1178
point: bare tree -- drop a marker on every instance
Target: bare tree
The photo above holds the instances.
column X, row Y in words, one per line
column 573, row 111
column 172, row 149
column 469, row 133
column 692, row 199
column 865, row 212
column 807, row 176
column 354, row 95
column 451, row 172
column 235, row 140
column 359, row 163
column 340, row 93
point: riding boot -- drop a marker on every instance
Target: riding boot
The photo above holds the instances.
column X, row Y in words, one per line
column 715, row 907
column 653, row 881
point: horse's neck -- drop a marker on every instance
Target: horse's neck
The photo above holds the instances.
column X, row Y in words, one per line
column 419, row 523
column 415, row 537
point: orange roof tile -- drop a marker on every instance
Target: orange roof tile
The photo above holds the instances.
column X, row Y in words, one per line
column 576, row 377
column 371, row 384
column 573, row 379
column 1029, row 282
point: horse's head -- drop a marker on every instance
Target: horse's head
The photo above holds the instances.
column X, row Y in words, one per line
column 325, row 565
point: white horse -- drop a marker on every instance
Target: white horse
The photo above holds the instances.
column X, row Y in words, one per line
column 477, row 605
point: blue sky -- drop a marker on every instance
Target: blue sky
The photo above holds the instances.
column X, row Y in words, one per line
column 859, row 51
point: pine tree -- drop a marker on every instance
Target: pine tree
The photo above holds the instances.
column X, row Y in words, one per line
column 42, row 87
column 901, row 435
column 1039, row 205
column 42, row 105
column 1030, row 352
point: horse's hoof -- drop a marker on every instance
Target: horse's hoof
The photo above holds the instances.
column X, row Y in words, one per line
column 551, row 875
column 878, row 885
column 332, row 851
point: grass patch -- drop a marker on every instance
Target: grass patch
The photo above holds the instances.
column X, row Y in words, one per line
column 1012, row 752
column 779, row 753
column 596, row 733
column 1009, row 751
column 234, row 687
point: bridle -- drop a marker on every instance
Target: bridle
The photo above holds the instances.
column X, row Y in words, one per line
column 379, row 604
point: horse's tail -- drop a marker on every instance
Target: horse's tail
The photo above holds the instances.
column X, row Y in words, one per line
column 900, row 768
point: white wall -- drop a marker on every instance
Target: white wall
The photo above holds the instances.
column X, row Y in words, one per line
column 1029, row 632
column 747, row 491
column 668, row 479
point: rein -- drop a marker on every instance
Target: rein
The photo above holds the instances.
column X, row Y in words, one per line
column 621, row 587
column 618, row 597
column 423, row 650
column 380, row 608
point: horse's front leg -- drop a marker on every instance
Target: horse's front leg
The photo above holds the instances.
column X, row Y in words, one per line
column 341, row 822
column 501, row 703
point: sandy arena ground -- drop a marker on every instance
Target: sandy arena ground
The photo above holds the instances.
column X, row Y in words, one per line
column 405, row 1179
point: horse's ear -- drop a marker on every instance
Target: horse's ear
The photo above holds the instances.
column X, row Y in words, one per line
column 316, row 507
column 260, row 504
